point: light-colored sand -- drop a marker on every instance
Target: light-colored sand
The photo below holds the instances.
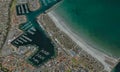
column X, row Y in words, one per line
column 88, row 48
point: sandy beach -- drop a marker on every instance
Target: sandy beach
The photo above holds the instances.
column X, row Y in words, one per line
column 100, row 56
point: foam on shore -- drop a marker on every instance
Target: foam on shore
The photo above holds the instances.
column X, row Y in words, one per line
column 86, row 47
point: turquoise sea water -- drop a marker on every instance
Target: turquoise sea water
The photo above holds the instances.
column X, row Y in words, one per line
column 98, row 20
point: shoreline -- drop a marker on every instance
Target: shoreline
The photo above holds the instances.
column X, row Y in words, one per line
column 100, row 56
column 92, row 42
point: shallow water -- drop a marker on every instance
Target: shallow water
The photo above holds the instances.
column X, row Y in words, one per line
column 98, row 20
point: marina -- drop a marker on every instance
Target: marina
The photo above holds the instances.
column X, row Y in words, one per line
column 22, row 9
column 42, row 40
column 33, row 33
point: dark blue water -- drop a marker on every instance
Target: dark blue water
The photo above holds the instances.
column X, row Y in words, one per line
column 35, row 35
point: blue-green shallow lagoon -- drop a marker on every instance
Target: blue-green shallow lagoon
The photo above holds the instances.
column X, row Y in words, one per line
column 97, row 20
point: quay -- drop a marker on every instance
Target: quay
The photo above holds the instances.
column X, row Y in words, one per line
column 33, row 33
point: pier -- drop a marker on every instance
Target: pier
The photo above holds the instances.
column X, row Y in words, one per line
column 33, row 33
